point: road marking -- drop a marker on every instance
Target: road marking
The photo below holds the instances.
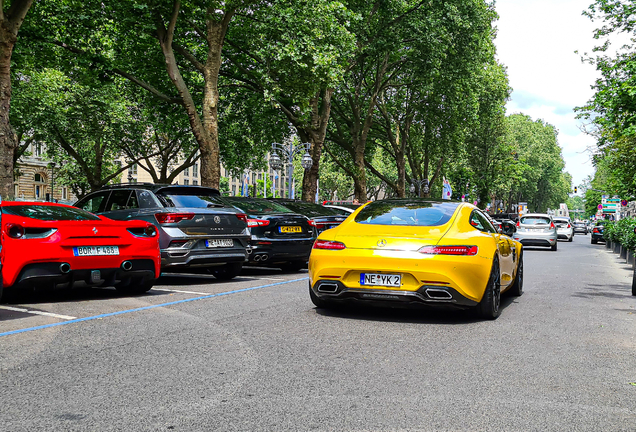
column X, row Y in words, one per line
column 94, row 317
column 36, row 312
column 180, row 291
column 274, row 279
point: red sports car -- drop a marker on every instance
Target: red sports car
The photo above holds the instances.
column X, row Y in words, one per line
column 59, row 245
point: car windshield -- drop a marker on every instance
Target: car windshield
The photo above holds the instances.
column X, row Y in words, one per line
column 50, row 213
column 407, row 212
column 310, row 209
column 191, row 201
column 535, row 220
column 256, row 206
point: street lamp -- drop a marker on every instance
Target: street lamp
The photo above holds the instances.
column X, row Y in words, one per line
column 52, row 165
column 130, row 173
column 288, row 152
column 422, row 186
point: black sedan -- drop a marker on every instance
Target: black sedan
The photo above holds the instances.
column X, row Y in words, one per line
column 322, row 218
column 579, row 227
column 597, row 232
column 279, row 237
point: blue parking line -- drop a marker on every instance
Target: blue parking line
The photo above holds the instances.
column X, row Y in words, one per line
column 145, row 308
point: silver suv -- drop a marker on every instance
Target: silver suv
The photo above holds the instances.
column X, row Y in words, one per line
column 536, row 229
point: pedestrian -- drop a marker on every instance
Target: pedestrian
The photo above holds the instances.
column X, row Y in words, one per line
column 447, row 192
column 356, row 201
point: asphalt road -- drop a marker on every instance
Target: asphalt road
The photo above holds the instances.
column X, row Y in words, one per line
column 255, row 355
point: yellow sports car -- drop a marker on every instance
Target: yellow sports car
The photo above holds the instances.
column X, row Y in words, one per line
column 416, row 252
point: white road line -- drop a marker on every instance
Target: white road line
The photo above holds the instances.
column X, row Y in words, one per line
column 34, row 312
column 274, row 279
column 180, row 291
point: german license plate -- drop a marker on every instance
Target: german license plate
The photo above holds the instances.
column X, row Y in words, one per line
column 375, row 279
column 290, row 229
column 95, row 250
column 219, row 243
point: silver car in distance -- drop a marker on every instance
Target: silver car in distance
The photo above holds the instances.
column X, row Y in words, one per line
column 536, row 229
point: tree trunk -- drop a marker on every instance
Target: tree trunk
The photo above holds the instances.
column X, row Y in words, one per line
column 8, row 139
column 205, row 126
column 401, row 168
column 210, row 151
column 360, row 177
column 315, row 134
column 10, row 22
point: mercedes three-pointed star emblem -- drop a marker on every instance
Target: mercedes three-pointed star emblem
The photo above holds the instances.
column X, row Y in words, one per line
column 382, row 243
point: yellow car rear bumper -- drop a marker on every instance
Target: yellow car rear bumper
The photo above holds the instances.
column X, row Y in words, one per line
column 428, row 279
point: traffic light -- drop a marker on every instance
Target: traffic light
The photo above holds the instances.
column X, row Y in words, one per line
column 575, row 189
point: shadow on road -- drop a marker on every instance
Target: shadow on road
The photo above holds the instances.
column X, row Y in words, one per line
column 48, row 295
column 598, row 290
column 25, row 296
column 419, row 315
column 537, row 248
column 6, row 315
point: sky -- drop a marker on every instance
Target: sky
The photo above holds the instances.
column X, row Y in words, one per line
column 536, row 41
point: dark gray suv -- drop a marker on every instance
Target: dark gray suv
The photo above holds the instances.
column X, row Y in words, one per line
column 195, row 230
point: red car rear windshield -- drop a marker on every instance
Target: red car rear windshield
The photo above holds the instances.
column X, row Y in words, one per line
column 407, row 212
column 49, row 213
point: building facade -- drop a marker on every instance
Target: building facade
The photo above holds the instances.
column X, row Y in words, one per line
column 237, row 186
column 35, row 179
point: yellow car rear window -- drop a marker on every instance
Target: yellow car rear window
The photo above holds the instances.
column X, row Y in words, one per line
column 407, row 213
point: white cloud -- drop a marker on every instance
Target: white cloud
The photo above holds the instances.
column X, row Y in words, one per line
column 536, row 41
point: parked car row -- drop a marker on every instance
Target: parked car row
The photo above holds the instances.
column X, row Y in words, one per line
column 541, row 229
column 192, row 228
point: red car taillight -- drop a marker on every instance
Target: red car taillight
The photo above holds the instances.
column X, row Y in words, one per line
column 518, row 224
column 150, row 231
column 165, row 218
column 329, row 245
column 449, row 250
column 15, row 231
column 569, row 226
column 242, row 217
column 595, row 230
column 313, row 223
column 552, row 225
column 257, row 222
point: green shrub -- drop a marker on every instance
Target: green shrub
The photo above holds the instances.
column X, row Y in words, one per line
column 626, row 236
column 609, row 231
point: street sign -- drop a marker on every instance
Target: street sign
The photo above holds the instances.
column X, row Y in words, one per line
column 600, row 207
column 611, row 205
column 624, row 203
